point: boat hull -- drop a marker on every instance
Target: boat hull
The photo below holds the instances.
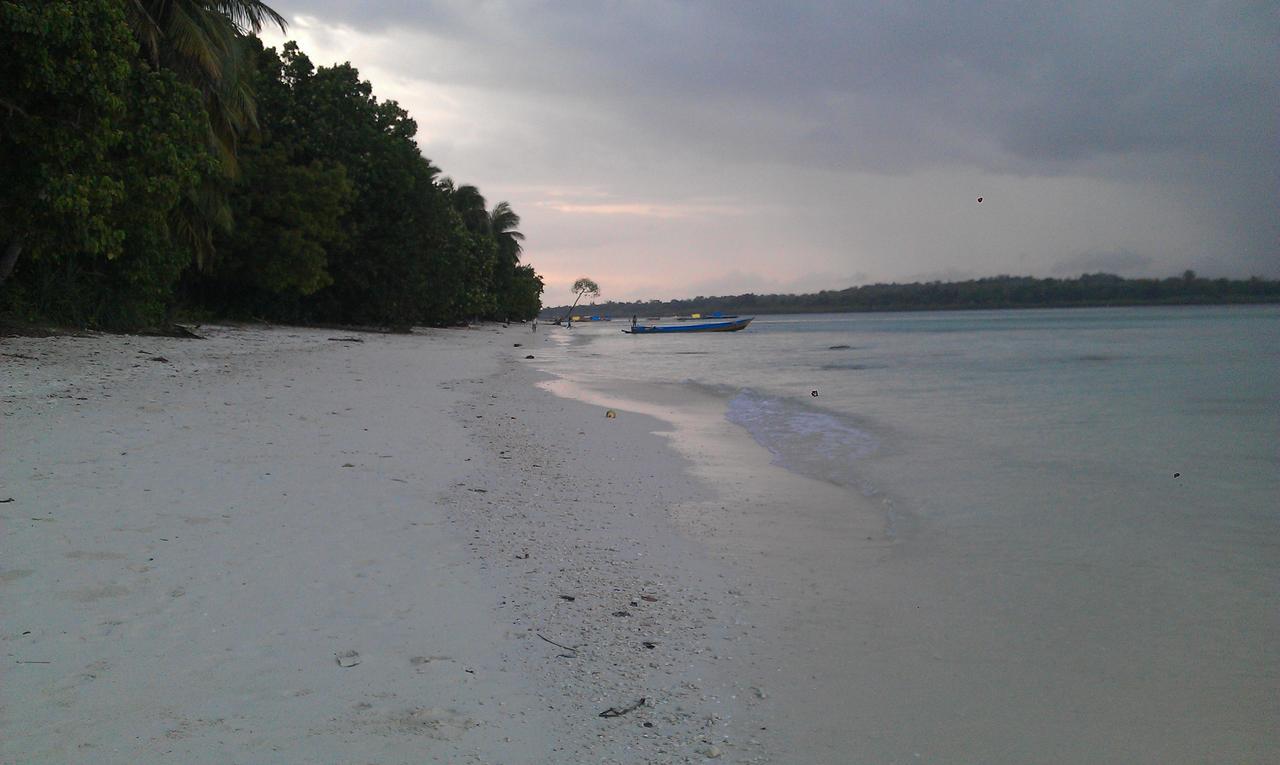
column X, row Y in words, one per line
column 711, row 326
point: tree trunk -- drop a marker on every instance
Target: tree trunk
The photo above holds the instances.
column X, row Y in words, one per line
column 566, row 315
column 10, row 257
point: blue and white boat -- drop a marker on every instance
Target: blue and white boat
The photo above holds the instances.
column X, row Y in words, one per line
column 731, row 325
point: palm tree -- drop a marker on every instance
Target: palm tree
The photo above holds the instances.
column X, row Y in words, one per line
column 204, row 43
column 502, row 225
column 470, row 204
column 432, row 172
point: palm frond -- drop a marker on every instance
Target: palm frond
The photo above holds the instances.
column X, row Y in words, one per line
column 203, row 42
column 202, row 212
column 249, row 16
column 195, row 45
column 146, row 29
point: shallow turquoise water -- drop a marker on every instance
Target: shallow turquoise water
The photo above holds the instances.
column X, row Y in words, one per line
column 978, row 414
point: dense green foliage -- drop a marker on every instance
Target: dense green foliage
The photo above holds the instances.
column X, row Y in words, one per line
column 995, row 292
column 66, row 73
column 156, row 156
column 97, row 150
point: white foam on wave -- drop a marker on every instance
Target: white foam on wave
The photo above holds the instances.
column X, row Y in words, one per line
column 803, row 439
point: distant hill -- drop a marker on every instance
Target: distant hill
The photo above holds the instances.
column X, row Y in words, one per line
column 993, row 292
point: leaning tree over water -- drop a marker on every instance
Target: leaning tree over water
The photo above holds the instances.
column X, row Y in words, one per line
column 583, row 286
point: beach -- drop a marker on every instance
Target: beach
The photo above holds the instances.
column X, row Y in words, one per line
column 289, row 545
column 495, row 383
column 279, row 544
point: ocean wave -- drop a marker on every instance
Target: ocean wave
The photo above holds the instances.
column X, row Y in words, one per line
column 854, row 365
column 803, row 438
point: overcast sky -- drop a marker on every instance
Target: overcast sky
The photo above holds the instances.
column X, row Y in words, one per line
column 671, row 149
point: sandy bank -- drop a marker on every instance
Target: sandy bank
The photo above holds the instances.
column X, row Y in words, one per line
column 273, row 546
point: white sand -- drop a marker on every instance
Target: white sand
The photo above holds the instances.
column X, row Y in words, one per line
column 198, row 545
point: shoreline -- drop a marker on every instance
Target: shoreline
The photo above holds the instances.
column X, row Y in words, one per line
column 425, row 547
column 1036, row 613
column 600, row 567
column 791, row 544
column 251, row 539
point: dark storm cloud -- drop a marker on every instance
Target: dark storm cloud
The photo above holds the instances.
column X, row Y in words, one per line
column 1177, row 96
column 1042, row 83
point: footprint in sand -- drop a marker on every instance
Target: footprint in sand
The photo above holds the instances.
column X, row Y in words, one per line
column 441, row 724
column 90, row 594
column 93, row 555
column 419, row 660
column 348, row 658
column 66, row 685
column 14, row 575
column 92, row 671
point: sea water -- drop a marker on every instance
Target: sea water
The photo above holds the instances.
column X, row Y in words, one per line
column 1097, row 486
column 988, row 412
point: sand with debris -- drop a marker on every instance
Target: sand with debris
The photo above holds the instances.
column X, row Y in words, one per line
column 302, row 545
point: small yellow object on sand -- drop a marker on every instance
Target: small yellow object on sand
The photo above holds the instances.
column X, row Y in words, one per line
column 610, row 414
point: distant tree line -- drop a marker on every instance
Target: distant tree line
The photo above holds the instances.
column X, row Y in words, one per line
column 994, row 292
column 158, row 159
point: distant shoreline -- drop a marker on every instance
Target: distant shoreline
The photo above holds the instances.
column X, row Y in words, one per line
column 993, row 294
column 552, row 316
